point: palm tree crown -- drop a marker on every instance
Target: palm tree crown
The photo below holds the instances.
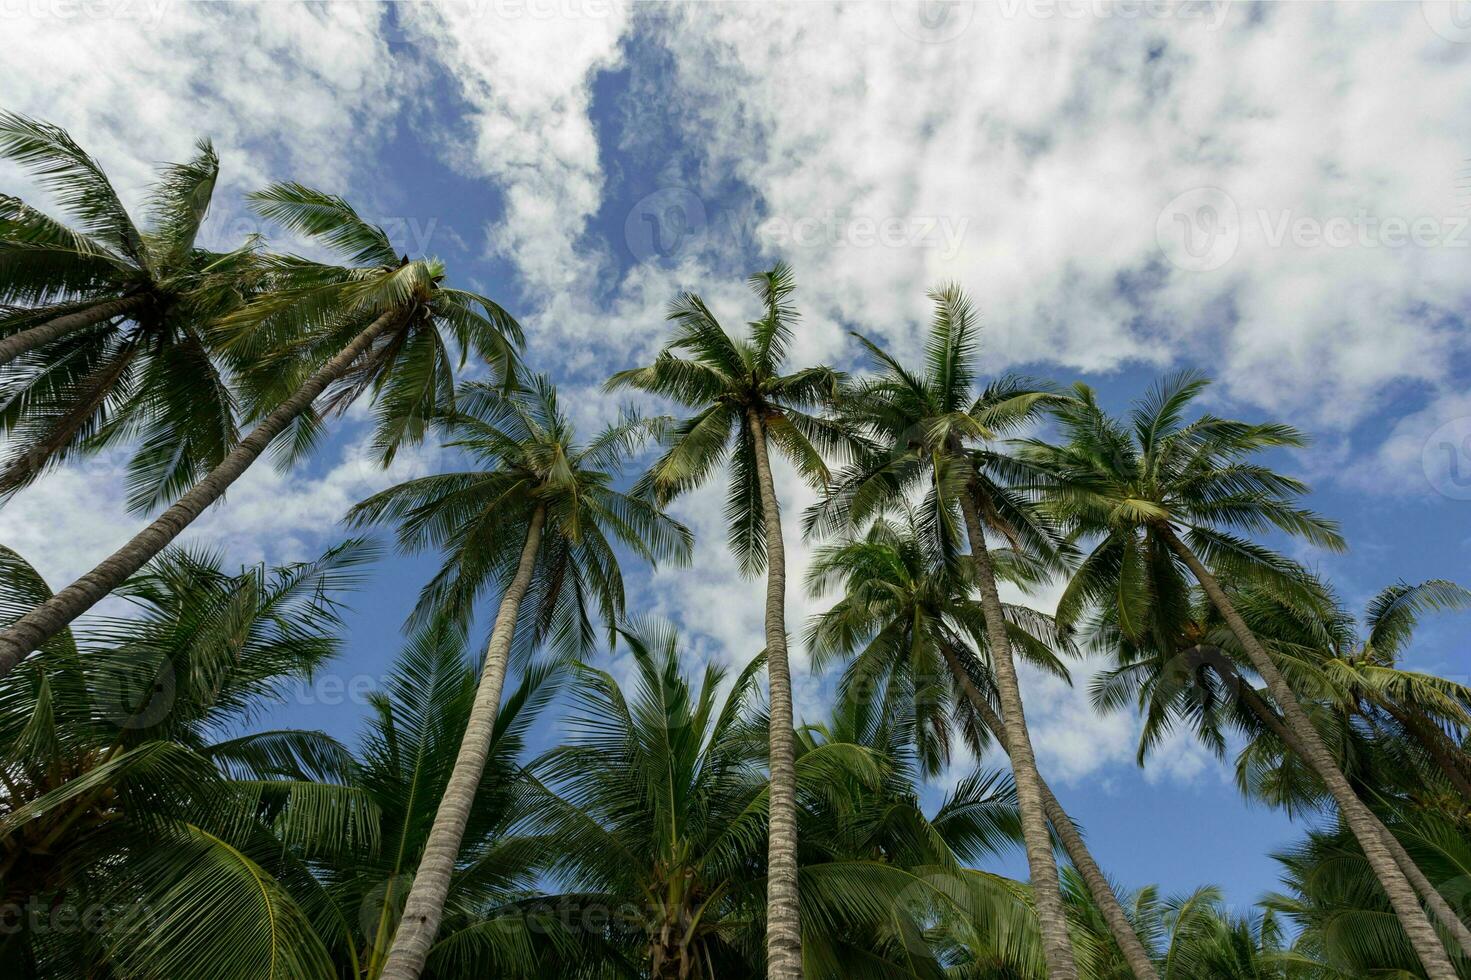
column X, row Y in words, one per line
column 529, row 462
column 105, row 327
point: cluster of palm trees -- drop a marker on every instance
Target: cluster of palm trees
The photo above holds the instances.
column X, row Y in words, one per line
column 686, row 828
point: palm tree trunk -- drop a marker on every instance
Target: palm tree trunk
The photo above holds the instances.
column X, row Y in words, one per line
column 38, row 336
column 425, row 904
column 56, row 613
column 1428, row 893
column 1360, row 819
column 783, row 925
column 1046, row 886
column 1072, row 842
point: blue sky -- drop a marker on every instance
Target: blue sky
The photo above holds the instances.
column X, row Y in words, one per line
column 1275, row 194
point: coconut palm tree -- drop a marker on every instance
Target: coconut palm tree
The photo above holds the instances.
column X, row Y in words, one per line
column 1344, row 919
column 54, row 280
column 537, row 519
column 377, row 328
column 744, row 405
column 1188, row 666
column 407, row 756
column 130, row 804
column 932, row 434
column 656, row 810
column 908, row 619
column 104, row 327
column 1164, row 498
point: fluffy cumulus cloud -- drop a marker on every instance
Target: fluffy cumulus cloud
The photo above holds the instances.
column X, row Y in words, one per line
column 525, row 69
column 282, row 88
column 1270, row 190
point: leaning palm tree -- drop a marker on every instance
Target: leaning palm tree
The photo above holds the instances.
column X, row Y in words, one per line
column 56, row 281
column 375, row 329
column 908, row 619
column 538, row 519
column 743, row 406
column 1187, row 666
column 129, row 798
column 129, row 358
column 406, row 759
column 933, row 435
column 1164, row 497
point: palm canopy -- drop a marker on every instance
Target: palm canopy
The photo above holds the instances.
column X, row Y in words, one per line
column 530, row 461
column 407, row 752
column 126, row 787
column 931, row 435
column 143, row 372
column 1132, row 487
column 728, row 382
column 904, row 618
column 657, row 807
column 311, row 311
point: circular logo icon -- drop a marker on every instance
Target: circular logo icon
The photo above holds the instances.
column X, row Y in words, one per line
column 381, row 908
column 664, row 223
column 1199, row 230
column 933, row 21
column 1451, row 19
column 1446, row 459
column 139, row 695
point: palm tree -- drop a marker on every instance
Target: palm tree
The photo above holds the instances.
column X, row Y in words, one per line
column 127, row 797
column 932, row 434
column 1138, row 489
column 656, row 810
column 537, row 519
column 1195, row 936
column 406, row 759
column 907, row 618
column 375, row 328
column 1363, row 678
column 743, row 406
column 1188, row 666
column 108, row 342
column 1343, row 917
column 56, row 281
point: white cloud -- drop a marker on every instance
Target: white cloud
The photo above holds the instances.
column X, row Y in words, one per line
column 285, row 90
column 1057, row 141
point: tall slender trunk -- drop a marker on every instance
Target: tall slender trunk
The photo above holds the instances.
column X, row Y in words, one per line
column 783, row 925
column 1365, row 826
column 38, row 336
column 1046, row 886
column 56, row 613
column 1072, row 841
column 425, row 905
column 1428, row 893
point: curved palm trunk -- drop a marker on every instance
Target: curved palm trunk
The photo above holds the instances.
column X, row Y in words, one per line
column 1046, row 886
column 38, row 336
column 1072, row 842
column 783, row 925
column 425, row 904
column 1360, row 819
column 1428, row 893
column 56, row 613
